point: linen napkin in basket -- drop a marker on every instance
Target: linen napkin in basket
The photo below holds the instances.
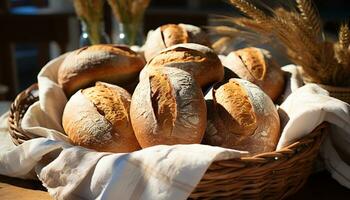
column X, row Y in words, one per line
column 160, row 172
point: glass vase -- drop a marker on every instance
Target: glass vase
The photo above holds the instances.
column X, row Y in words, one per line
column 129, row 34
column 93, row 33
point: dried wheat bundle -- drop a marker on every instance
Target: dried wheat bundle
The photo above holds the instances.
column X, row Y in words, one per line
column 299, row 29
column 129, row 14
column 89, row 10
column 128, row 11
column 91, row 13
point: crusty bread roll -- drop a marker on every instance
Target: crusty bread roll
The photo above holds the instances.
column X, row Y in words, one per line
column 110, row 63
column 98, row 118
column 198, row 60
column 171, row 34
column 168, row 107
column 257, row 66
column 242, row 117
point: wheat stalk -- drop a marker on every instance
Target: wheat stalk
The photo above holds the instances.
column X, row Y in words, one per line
column 225, row 30
column 128, row 11
column 344, row 36
column 310, row 15
column 299, row 30
column 89, row 10
column 250, row 10
column 91, row 13
column 342, row 47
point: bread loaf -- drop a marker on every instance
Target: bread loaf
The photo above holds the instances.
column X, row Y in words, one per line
column 257, row 66
column 198, row 60
column 168, row 107
column 170, row 34
column 98, row 118
column 109, row 63
column 242, row 117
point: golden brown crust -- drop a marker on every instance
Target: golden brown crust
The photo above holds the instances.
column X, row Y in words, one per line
column 98, row 118
column 163, row 101
column 171, row 34
column 200, row 61
column 240, row 113
column 242, row 117
column 165, row 94
column 254, row 61
column 109, row 63
column 257, row 66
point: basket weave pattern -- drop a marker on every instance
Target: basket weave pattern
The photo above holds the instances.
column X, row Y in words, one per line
column 273, row 175
column 341, row 93
column 18, row 108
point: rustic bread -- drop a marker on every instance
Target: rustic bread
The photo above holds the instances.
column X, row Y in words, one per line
column 98, row 118
column 109, row 63
column 198, row 60
column 257, row 66
column 168, row 107
column 170, row 34
column 242, row 117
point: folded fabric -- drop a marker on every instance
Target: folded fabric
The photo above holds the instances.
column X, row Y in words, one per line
column 159, row 172
column 70, row 172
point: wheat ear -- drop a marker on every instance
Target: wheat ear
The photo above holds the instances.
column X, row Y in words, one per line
column 250, row 10
column 344, row 36
column 310, row 15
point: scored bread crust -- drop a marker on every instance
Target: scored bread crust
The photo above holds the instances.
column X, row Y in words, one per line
column 198, row 60
column 242, row 117
column 110, row 63
column 168, row 107
column 171, row 34
column 257, row 66
column 98, row 118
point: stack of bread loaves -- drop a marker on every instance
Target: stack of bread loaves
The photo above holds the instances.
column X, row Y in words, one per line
column 168, row 106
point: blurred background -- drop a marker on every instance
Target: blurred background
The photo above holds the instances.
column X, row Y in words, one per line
column 34, row 31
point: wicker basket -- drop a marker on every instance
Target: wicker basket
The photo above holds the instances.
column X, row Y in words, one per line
column 341, row 93
column 273, row 175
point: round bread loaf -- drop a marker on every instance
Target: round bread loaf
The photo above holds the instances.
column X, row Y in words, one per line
column 98, row 118
column 109, row 63
column 168, row 107
column 242, row 117
column 257, row 66
column 171, row 34
column 198, row 60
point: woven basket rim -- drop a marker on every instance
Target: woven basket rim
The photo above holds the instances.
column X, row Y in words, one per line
column 335, row 88
column 18, row 135
column 272, row 175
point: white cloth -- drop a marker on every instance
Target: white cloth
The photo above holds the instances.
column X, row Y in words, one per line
column 159, row 172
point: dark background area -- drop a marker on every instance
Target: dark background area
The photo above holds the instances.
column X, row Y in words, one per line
column 31, row 54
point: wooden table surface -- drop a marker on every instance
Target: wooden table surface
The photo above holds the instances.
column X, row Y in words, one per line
column 18, row 189
column 320, row 186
